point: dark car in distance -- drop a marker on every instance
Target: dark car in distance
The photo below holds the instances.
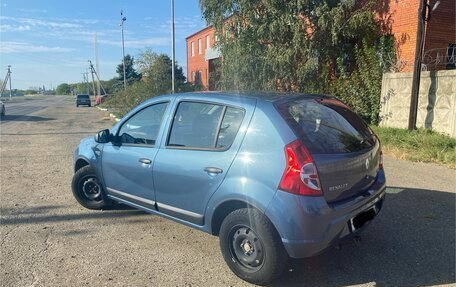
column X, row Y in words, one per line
column 274, row 176
column 83, row 100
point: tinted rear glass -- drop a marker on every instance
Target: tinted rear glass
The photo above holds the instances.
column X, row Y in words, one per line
column 83, row 96
column 327, row 125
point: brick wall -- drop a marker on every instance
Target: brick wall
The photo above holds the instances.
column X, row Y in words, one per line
column 197, row 62
column 440, row 32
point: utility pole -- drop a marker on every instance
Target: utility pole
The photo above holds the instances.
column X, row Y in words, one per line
column 85, row 76
column 97, row 63
column 9, row 76
column 172, row 48
column 92, row 70
column 93, row 78
column 122, row 20
column 424, row 15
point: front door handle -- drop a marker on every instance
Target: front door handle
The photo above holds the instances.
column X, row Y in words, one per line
column 213, row 170
column 145, row 161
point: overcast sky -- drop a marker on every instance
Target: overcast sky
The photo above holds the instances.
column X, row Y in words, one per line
column 48, row 42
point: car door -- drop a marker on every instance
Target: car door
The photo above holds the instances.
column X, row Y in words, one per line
column 127, row 162
column 203, row 139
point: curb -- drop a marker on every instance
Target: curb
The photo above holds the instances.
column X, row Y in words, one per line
column 111, row 115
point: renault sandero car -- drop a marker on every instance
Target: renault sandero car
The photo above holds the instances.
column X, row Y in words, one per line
column 274, row 176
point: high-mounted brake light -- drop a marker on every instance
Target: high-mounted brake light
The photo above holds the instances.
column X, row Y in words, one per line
column 300, row 175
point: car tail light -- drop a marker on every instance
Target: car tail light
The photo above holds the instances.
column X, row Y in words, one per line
column 380, row 160
column 300, row 175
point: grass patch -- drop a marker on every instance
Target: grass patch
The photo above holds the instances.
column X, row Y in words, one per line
column 419, row 145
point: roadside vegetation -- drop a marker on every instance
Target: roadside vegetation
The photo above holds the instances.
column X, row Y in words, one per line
column 333, row 47
column 154, row 79
column 419, row 145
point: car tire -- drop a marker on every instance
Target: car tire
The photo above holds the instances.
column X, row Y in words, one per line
column 90, row 106
column 88, row 190
column 251, row 246
column 77, row 106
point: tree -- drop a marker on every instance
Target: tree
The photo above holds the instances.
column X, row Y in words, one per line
column 156, row 71
column 63, row 89
column 302, row 46
column 130, row 73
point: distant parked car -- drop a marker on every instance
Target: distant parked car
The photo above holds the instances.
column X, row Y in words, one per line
column 83, row 100
column 273, row 176
column 100, row 99
column 2, row 109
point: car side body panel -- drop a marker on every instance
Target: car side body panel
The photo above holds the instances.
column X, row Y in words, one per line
column 258, row 167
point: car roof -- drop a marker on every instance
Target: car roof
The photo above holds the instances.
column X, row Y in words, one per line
column 265, row 96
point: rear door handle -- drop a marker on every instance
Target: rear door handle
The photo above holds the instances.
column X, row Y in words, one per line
column 213, row 170
column 145, row 161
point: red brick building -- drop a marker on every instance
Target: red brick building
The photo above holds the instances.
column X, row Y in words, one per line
column 200, row 56
column 399, row 18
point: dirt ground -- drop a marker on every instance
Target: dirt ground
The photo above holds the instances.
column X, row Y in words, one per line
column 48, row 239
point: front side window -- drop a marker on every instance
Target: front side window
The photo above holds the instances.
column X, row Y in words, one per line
column 143, row 127
column 204, row 126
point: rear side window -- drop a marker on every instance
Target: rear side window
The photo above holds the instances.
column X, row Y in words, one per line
column 327, row 126
column 204, row 126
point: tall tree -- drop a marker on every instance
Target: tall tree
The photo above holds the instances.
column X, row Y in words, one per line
column 130, row 72
column 63, row 89
column 302, row 45
column 156, row 71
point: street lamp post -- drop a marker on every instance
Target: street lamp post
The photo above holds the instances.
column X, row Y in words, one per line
column 172, row 48
column 424, row 15
column 122, row 20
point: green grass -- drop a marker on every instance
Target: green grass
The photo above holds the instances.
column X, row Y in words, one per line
column 419, row 145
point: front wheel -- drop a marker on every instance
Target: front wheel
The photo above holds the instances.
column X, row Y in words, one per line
column 252, row 247
column 87, row 189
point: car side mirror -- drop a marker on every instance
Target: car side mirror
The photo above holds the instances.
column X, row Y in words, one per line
column 103, row 136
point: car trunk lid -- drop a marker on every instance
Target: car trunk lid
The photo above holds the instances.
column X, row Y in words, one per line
column 345, row 151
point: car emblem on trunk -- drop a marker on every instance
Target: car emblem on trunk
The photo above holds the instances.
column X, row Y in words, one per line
column 367, row 163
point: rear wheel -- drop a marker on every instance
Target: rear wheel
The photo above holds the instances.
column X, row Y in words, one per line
column 87, row 189
column 252, row 247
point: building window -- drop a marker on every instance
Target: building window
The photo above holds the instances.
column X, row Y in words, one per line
column 208, row 42
column 193, row 77
column 451, row 57
column 200, row 46
column 216, row 38
column 193, row 49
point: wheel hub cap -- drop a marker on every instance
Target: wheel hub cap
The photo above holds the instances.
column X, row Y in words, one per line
column 91, row 189
column 246, row 248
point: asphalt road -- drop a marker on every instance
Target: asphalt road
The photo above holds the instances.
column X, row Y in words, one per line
column 47, row 239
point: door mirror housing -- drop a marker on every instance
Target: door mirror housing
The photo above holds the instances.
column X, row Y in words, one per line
column 103, row 136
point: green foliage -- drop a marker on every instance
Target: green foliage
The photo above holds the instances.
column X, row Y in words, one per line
column 326, row 46
column 156, row 71
column 63, row 89
column 418, row 145
column 130, row 73
column 156, row 80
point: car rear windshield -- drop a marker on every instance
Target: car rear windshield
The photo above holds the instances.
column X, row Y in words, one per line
column 83, row 96
column 326, row 125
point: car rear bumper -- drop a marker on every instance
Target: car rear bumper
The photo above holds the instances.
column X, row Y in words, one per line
column 309, row 225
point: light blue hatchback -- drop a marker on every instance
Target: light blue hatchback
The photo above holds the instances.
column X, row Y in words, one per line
column 274, row 175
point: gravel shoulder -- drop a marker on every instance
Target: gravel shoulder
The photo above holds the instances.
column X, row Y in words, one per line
column 47, row 239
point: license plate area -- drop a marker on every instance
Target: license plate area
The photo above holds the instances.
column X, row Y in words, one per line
column 362, row 218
